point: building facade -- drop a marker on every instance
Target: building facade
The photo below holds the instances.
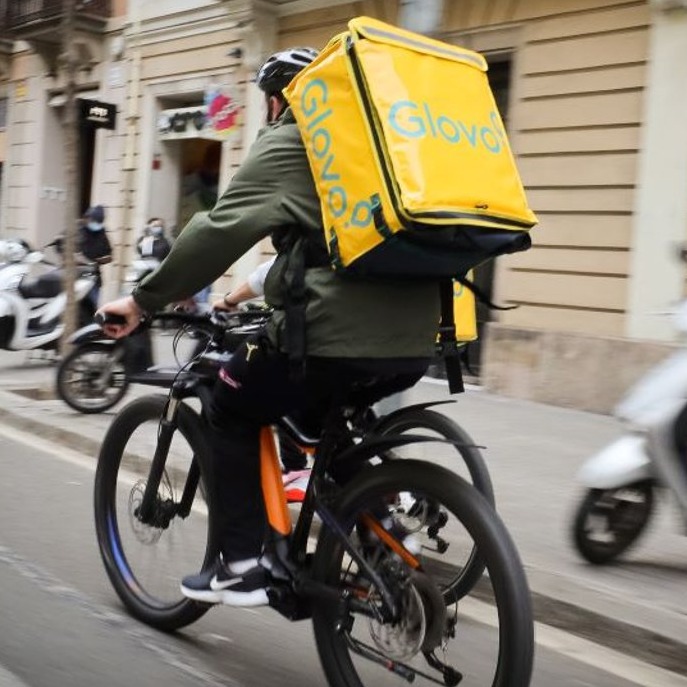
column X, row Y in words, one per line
column 591, row 92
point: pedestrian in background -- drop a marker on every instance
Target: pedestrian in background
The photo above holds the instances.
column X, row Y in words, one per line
column 153, row 242
column 94, row 245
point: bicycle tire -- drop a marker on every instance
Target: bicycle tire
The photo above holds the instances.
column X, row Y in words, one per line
column 424, row 419
column 512, row 599
column 162, row 614
column 64, row 388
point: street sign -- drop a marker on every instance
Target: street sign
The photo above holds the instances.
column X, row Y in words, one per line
column 98, row 115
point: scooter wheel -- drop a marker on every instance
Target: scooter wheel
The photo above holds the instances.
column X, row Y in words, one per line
column 92, row 378
column 609, row 521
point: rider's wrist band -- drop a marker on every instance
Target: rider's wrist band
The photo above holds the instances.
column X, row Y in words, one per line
column 228, row 302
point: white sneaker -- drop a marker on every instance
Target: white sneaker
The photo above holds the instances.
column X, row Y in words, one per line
column 295, row 485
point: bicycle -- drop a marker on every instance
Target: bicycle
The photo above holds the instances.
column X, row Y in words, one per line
column 373, row 602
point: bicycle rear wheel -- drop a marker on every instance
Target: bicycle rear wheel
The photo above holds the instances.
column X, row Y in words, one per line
column 145, row 561
column 462, row 457
column 487, row 637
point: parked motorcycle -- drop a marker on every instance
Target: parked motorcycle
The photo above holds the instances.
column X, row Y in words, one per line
column 31, row 307
column 97, row 372
column 623, row 478
column 96, row 375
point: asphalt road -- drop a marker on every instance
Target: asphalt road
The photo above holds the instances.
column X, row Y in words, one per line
column 61, row 623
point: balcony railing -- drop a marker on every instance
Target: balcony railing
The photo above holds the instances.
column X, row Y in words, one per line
column 31, row 16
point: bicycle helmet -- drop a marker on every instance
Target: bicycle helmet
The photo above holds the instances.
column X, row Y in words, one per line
column 278, row 70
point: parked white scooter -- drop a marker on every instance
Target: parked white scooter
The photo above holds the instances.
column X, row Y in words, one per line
column 623, row 478
column 31, row 308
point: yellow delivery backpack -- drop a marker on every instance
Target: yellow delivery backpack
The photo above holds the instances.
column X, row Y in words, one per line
column 409, row 155
column 411, row 163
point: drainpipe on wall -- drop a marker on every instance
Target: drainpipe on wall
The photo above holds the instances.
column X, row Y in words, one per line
column 4, row 182
column 69, row 61
column 259, row 41
column 656, row 279
column 129, row 162
column 421, row 16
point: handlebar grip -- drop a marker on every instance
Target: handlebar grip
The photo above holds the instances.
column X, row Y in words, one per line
column 103, row 318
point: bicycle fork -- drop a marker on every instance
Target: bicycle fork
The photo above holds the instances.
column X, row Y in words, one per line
column 152, row 511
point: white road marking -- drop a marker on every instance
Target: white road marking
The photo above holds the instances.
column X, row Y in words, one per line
column 584, row 651
column 68, row 455
column 136, row 632
column 64, row 453
column 8, row 679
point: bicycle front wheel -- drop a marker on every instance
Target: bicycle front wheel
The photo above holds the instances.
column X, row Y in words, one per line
column 485, row 638
column 146, row 559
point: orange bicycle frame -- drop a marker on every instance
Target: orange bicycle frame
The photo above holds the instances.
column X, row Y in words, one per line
column 272, row 486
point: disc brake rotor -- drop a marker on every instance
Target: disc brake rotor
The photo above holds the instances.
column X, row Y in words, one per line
column 404, row 639
column 147, row 534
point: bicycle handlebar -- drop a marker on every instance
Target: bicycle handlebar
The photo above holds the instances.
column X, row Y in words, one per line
column 103, row 318
column 218, row 321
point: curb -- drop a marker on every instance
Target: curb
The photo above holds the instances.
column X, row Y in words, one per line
column 627, row 638
column 70, row 439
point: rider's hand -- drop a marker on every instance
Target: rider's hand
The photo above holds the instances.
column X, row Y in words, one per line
column 127, row 307
column 188, row 305
column 222, row 304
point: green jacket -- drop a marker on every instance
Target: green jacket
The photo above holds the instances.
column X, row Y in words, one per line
column 272, row 189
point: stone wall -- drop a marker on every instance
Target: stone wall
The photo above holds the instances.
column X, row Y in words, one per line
column 572, row 370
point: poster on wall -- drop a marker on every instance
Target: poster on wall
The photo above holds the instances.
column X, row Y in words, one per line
column 223, row 111
column 216, row 119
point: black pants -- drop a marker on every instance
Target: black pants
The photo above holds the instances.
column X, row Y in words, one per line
column 255, row 389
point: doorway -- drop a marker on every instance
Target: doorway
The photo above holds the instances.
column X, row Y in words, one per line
column 200, row 170
column 86, row 161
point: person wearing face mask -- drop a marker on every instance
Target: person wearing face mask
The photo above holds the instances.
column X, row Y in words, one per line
column 94, row 245
column 153, row 242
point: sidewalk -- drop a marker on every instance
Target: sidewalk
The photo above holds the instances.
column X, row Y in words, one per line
column 533, row 452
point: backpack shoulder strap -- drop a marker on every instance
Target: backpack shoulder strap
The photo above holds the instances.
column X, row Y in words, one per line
column 295, row 302
column 447, row 346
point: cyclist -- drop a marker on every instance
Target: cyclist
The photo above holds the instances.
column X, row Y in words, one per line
column 374, row 334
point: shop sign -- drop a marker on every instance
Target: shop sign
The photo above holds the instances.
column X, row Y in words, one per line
column 216, row 119
column 99, row 115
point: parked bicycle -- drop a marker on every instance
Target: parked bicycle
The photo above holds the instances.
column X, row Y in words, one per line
column 376, row 601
